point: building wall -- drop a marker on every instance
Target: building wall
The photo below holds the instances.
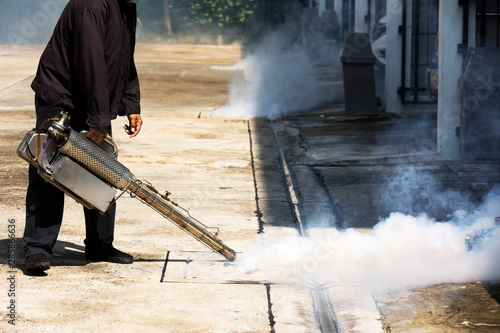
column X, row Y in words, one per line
column 450, row 61
column 450, row 71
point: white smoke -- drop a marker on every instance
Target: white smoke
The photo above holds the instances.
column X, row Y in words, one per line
column 273, row 85
column 412, row 189
column 407, row 249
column 402, row 252
column 278, row 78
column 28, row 22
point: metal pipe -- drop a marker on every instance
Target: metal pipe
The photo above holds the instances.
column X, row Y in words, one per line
column 107, row 168
column 178, row 216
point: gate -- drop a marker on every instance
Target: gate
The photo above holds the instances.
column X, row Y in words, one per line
column 419, row 48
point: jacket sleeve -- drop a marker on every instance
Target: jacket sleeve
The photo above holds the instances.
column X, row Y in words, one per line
column 88, row 34
column 131, row 97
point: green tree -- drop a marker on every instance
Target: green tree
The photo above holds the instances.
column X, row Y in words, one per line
column 221, row 13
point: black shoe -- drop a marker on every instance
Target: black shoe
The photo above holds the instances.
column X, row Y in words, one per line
column 37, row 262
column 113, row 255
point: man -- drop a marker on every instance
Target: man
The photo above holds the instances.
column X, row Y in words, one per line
column 88, row 70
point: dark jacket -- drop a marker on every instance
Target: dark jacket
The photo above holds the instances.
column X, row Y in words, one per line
column 88, row 65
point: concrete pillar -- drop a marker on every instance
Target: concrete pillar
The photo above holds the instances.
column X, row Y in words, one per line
column 450, row 71
column 338, row 10
column 393, row 56
column 359, row 16
column 322, row 6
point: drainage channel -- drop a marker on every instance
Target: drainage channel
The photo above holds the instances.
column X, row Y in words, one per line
column 323, row 309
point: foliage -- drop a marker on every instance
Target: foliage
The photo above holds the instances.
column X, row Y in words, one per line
column 221, row 13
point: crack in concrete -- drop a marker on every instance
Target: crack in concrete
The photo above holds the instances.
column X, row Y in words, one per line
column 164, row 267
column 270, row 307
column 258, row 211
column 15, row 83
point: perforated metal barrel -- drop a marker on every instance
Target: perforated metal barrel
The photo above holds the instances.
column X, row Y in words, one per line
column 96, row 160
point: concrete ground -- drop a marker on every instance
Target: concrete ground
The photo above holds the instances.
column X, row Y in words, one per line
column 363, row 170
column 285, row 195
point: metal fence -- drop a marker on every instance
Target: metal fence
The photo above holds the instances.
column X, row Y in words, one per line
column 421, row 49
column 488, row 23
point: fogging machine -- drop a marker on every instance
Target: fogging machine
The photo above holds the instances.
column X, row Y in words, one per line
column 91, row 174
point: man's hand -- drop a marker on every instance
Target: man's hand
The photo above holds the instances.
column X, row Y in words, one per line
column 98, row 134
column 135, row 124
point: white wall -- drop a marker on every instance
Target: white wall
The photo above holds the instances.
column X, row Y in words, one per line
column 393, row 56
column 322, row 6
column 359, row 16
column 338, row 10
column 450, row 71
column 450, row 68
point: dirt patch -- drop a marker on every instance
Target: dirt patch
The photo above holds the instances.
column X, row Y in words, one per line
column 442, row 308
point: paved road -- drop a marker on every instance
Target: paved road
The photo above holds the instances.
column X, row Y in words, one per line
column 266, row 185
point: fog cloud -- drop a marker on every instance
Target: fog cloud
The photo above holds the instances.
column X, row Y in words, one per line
column 403, row 251
column 279, row 75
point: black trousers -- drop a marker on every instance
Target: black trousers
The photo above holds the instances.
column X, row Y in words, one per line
column 45, row 204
